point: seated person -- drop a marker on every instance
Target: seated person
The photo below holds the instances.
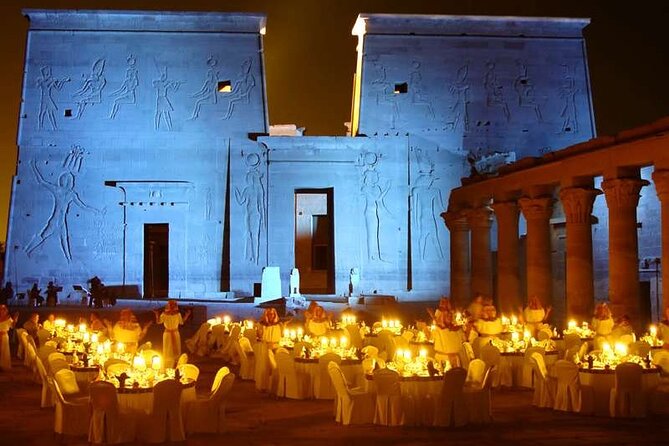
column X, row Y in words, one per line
column 534, row 315
column 602, row 322
column 32, row 326
column 489, row 325
column 319, row 324
column 270, row 328
column 128, row 331
column 663, row 328
column 475, row 309
column 622, row 331
column 50, row 323
column 448, row 339
column 101, row 326
column 443, row 307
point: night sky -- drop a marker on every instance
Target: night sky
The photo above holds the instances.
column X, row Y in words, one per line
column 310, row 57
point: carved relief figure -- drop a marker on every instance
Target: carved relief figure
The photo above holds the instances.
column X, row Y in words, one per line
column 208, row 92
column 164, row 107
column 427, row 204
column 525, row 89
column 568, row 92
column 74, row 158
column 374, row 195
column 47, row 106
column 494, row 90
column 460, row 91
column 126, row 92
column 90, row 92
column 384, row 90
column 241, row 89
column 252, row 198
column 416, row 85
column 64, row 196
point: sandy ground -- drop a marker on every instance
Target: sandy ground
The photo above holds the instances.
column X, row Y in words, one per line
column 255, row 418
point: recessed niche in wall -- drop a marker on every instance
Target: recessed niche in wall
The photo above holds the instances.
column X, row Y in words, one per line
column 68, row 112
column 401, row 88
column 224, row 86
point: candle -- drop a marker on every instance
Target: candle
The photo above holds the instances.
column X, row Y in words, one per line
column 407, row 355
column 100, row 349
column 139, row 363
column 87, row 337
column 82, row 328
column 399, row 353
column 343, row 341
column 300, row 332
column 571, row 325
column 324, row 342
column 423, row 353
column 527, row 335
column 60, row 323
column 286, row 333
column 155, row 362
column 120, row 347
column 333, row 342
column 70, row 328
column 514, row 320
column 515, row 336
column 384, row 323
column 653, row 331
column 620, row 349
column 226, row 319
column 94, row 338
column 505, row 320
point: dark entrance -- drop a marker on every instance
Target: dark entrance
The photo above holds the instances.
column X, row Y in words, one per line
column 314, row 240
column 156, row 260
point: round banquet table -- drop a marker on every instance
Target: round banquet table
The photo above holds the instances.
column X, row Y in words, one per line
column 519, row 374
column 85, row 374
column 417, row 346
column 352, row 369
column 141, row 398
column 603, row 380
column 420, row 395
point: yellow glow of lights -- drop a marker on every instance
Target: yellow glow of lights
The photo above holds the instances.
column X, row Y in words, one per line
column 155, row 362
column 653, row 330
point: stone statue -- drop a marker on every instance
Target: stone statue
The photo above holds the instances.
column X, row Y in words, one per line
column 354, row 283
column 294, row 283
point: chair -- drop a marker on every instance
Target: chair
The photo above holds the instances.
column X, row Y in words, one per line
column 30, row 356
column 47, row 399
column 661, row 359
column 526, row 372
column 408, row 335
column 493, row 358
column 56, row 362
column 227, row 350
column 181, row 360
column 388, row 398
column 20, row 333
column 450, row 409
column 246, row 358
column 476, row 372
column 208, row 414
column 273, row 373
column 354, row 336
column 198, row 344
column 112, row 361
column 478, row 399
column 570, row 395
column 108, row 423
column 148, row 355
column 262, row 369
column 370, row 351
column 189, row 371
column 71, row 417
column 67, row 382
column 466, row 354
column 571, row 340
column 43, row 336
column 164, row 422
column 323, row 388
column 627, row 398
column 291, row 383
column 544, row 385
column 354, row 406
column 44, row 351
column 387, row 344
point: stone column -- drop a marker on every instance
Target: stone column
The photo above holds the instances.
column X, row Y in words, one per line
column 577, row 203
column 661, row 180
column 537, row 212
column 508, row 274
column 456, row 222
column 622, row 198
column 480, row 221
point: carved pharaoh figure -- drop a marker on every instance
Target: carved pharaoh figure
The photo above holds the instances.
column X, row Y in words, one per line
column 494, row 90
column 126, row 92
column 252, row 198
column 47, row 106
column 568, row 92
column 427, row 204
column 164, row 107
column 241, row 90
column 460, row 91
column 90, row 92
column 375, row 206
column 525, row 89
column 208, row 92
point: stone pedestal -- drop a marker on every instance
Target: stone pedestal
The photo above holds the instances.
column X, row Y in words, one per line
column 508, row 275
column 661, row 180
column 622, row 198
column 537, row 212
column 459, row 230
column 480, row 221
column 577, row 203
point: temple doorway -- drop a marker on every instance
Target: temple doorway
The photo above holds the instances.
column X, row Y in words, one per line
column 156, row 260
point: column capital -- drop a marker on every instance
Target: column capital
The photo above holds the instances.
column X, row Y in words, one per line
column 539, row 208
column 623, row 193
column 480, row 217
column 455, row 220
column 661, row 180
column 506, row 210
column 577, row 203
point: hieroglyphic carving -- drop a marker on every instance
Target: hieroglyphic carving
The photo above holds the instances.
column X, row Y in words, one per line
column 460, row 107
column 74, row 158
column 525, row 89
column 241, row 89
column 126, row 92
column 252, row 198
column 494, row 90
column 384, row 91
column 568, row 92
column 164, row 107
column 374, row 190
column 207, row 94
column 64, row 196
column 90, row 92
column 416, row 86
column 427, row 204
column 47, row 106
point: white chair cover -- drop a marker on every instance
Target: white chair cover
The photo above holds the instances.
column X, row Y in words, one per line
column 164, row 422
column 478, row 399
column 148, row 355
column 354, row 406
column 108, row 423
column 450, row 409
column 67, row 382
column 182, row 359
column 198, row 344
column 56, row 362
column 190, row 371
column 263, row 370
column 71, row 417
column 44, row 351
column 627, row 397
column 208, row 414
column 323, row 388
column 20, row 334
column 31, row 356
column 245, row 357
column 386, row 344
column 476, row 372
column 291, row 383
column 492, row 357
column 388, row 398
column 43, row 336
column 466, row 354
column 370, row 351
column 354, row 336
column 544, row 385
column 570, row 395
column 47, row 399
column 227, row 350
column 526, row 372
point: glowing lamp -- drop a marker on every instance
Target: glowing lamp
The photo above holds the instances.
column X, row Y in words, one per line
column 94, row 338
column 505, row 320
column 514, row 320
column 120, row 347
column 384, row 323
column 226, row 319
column 324, row 342
column 423, row 353
column 407, row 355
column 343, row 341
column 606, row 347
column 87, row 337
column 82, row 328
column 286, row 333
column 155, row 363
column 250, row 325
column 527, row 335
column 70, row 328
column 100, row 349
column 571, row 325
column 293, row 334
column 515, row 336
column 60, row 323
column 620, row 349
column 333, row 342
column 653, row 330
column 300, row 332
column 139, row 363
